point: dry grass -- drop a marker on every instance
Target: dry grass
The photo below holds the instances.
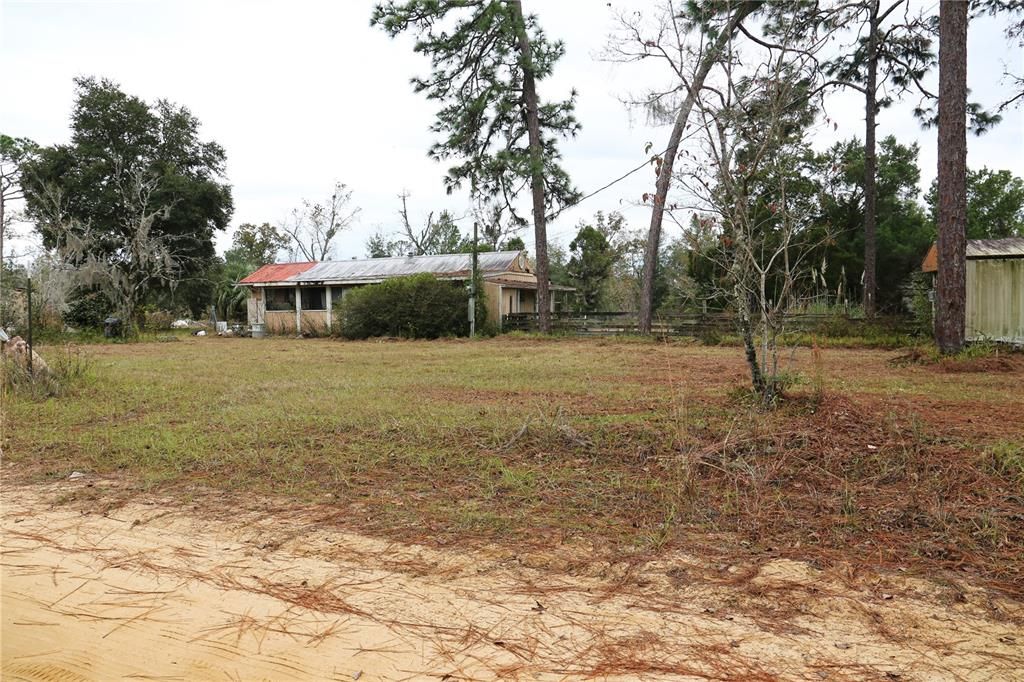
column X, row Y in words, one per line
column 629, row 447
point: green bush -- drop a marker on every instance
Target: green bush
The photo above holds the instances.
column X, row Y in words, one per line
column 419, row 306
column 86, row 310
column 916, row 300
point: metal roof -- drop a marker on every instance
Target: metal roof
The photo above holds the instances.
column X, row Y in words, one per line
column 365, row 270
column 520, row 284
column 1011, row 247
column 276, row 272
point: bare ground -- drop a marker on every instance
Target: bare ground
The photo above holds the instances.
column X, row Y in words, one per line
column 156, row 590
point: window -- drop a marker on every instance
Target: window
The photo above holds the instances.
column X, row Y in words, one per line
column 314, row 298
column 280, row 299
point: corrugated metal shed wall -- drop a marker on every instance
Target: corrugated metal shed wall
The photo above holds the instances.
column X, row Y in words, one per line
column 995, row 299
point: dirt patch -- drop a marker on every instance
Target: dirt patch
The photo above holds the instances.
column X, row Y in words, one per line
column 206, row 594
column 1011, row 362
column 998, row 363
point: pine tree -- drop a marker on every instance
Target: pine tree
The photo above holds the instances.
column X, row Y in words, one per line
column 951, row 284
column 884, row 64
column 486, row 59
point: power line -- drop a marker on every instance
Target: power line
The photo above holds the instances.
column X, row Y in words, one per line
column 603, row 187
column 613, row 182
column 600, row 189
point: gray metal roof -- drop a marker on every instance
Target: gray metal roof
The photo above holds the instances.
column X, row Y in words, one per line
column 1012, row 247
column 376, row 269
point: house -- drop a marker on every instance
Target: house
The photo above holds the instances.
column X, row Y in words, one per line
column 285, row 297
column 995, row 288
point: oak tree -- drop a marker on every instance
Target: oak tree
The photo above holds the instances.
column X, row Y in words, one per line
column 590, row 264
column 119, row 142
column 257, row 244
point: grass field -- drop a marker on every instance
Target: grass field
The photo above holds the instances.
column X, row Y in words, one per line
column 628, row 447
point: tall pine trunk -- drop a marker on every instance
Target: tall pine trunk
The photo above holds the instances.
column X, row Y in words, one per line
column 665, row 172
column 870, row 167
column 536, row 171
column 951, row 284
column 3, row 227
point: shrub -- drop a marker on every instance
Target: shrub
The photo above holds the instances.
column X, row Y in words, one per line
column 916, row 300
column 156, row 320
column 86, row 310
column 419, row 306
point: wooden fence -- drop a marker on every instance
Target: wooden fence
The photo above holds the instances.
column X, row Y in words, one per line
column 695, row 324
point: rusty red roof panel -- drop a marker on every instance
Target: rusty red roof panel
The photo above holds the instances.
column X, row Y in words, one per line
column 1011, row 247
column 276, row 272
column 931, row 260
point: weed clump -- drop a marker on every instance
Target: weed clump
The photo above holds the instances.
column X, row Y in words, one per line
column 979, row 356
column 62, row 372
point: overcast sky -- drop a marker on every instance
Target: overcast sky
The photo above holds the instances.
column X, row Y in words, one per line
column 303, row 93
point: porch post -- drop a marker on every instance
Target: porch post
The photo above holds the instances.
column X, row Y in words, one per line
column 327, row 291
column 298, row 310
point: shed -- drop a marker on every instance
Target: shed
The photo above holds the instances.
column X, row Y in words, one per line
column 995, row 288
column 286, row 297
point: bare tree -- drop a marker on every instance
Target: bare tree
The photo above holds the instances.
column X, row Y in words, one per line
column 124, row 272
column 495, row 227
column 753, row 225
column 438, row 235
column 12, row 153
column 314, row 226
column 669, row 41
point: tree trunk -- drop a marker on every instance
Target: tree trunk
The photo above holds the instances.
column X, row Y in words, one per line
column 750, row 349
column 951, row 283
column 3, row 228
column 870, row 167
column 540, row 230
column 665, row 172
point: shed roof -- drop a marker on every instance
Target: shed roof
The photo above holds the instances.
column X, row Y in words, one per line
column 1011, row 247
column 376, row 269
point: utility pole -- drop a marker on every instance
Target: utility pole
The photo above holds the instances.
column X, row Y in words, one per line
column 472, row 287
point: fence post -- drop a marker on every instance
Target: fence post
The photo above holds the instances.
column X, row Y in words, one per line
column 29, row 293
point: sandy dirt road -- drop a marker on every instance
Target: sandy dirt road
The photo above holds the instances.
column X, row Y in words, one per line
column 158, row 592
